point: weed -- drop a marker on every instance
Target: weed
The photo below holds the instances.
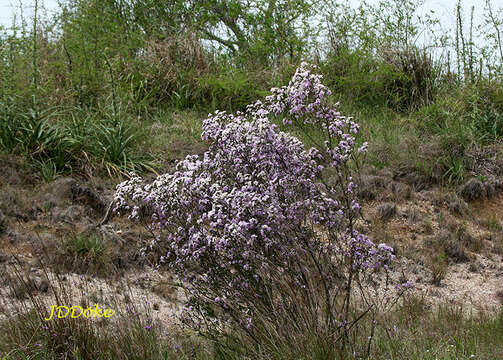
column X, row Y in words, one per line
column 87, row 244
column 48, row 170
column 438, row 269
column 115, row 146
column 85, row 253
column 455, row 171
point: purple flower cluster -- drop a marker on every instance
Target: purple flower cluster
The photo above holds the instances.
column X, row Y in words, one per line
column 257, row 198
column 364, row 253
column 240, row 203
column 303, row 102
column 404, row 286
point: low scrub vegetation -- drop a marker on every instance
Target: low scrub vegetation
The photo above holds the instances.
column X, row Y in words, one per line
column 260, row 241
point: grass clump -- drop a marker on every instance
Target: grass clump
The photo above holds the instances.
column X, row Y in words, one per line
column 86, row 253
column 75, row 140
column 87, row 244
column 28, row 335
column 445, row 332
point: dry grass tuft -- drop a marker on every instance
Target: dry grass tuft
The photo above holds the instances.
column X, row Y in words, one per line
column 386, row 211
column 473, row 189
column 456, row 205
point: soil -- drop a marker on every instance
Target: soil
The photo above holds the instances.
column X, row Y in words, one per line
column 40, row 218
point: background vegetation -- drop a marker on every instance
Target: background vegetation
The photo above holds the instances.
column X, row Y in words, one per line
column 108, row 86
column 79, row 89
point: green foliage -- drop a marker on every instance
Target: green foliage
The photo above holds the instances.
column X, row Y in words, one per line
column 355, row 74
column 34, row 135
column 9, row 125
column 258, row 32
column 114, row 146
column 48, row 170
column 66, row 77
column 423, row 335
column 484, row 110
column 232, row 90
column 56, row 144
column 455, row 170
column 91, row 32
column 39, row 139
column 87, row 244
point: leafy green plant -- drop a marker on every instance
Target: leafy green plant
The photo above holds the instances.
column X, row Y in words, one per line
column 87, row 244
column 38, row 138
column 115, row 147
column 455, row 170
column 8, row 133
column 232, row 90
column 48, row 170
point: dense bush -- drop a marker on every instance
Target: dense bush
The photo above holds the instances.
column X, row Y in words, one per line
column 401, row 79
column 258, row 239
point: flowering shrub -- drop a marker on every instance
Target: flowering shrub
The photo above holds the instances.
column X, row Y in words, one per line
column 253, row 229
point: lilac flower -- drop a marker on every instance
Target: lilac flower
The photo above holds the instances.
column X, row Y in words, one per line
column 404, row 286
column 255, row 200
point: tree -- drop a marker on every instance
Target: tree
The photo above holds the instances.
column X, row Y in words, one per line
column 263, row 30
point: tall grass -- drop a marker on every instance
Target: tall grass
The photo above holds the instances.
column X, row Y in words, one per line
column 130, row 333
column 414, row 330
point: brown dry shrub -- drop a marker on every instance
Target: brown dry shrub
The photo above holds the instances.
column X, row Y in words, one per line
column 464, row 237
column 400, row 191
column 16, row 204
column 180, row 52
column 386, row 211
column 452, row 247
column 456, row 204
column 371, row 185
column 497, row 247
column 414, row 215
column 166, row 289
column 455, row 251
column 473, row 189
column 499, row 295
column 438, row 266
